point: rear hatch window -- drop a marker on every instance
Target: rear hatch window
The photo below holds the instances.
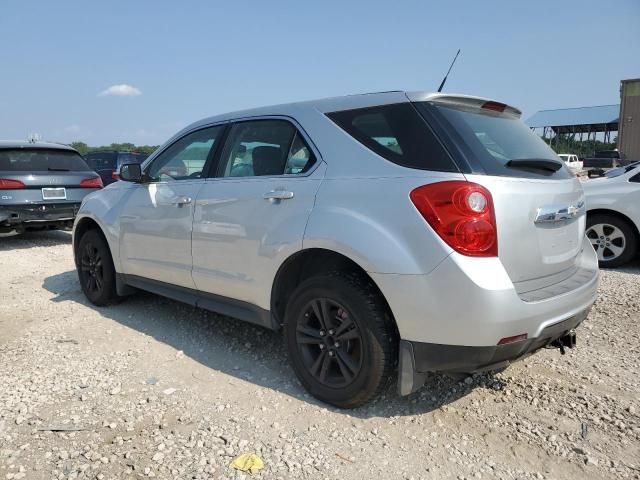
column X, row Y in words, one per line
column 397, row 133
column 41, row 160
column 498, row 143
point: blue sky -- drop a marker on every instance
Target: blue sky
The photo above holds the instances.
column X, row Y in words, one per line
column 192, row 59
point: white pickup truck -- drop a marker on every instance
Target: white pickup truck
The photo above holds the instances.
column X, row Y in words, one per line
column 572, row 161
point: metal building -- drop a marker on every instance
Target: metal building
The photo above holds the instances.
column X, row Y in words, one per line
column 629, row 136
column 577, row 122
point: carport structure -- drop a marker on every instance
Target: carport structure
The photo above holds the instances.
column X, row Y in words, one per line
column 576, row 122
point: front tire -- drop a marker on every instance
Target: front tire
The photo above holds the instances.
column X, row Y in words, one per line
column 95, row 269
column 341, row 339
column 613, row 239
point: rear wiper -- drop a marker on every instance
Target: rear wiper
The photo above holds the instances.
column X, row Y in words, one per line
column 537, row 163
column 51, row 169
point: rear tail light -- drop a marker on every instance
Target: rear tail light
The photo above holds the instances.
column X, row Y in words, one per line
column 462, row 214
column 115, row 175
column 6, row 184
column 95, row 182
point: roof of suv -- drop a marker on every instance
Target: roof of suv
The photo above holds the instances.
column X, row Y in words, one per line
column 4, row 144
column 347, row 102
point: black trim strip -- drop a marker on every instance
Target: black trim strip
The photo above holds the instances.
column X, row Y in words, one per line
column 209, row 301
column 211, row 167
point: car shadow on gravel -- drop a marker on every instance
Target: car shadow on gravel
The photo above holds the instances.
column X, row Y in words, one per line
column 249, row 352
column 632, row 267
column 31, row 239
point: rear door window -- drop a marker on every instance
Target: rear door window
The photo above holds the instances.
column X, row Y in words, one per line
column 493, row 139
column 265, row 148
column 397, row 133
column 41, row 160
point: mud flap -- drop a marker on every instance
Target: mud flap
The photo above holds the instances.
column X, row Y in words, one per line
column 409, row 380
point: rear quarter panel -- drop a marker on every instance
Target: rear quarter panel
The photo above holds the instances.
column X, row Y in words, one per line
column 373, row 222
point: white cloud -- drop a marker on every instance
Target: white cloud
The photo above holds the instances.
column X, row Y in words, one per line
column 122, row 90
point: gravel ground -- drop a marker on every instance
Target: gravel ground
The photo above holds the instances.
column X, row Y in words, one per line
column 154, row 388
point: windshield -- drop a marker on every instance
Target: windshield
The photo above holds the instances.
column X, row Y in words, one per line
column 495, row 139
column 41, row 160
column 616, row 172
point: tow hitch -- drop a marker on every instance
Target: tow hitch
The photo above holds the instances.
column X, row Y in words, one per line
column 568, row 340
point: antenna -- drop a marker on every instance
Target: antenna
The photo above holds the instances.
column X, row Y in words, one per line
column 444, row 80
column 34, row 138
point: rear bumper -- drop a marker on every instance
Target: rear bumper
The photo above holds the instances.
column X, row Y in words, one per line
column 472, row 302
column 38, row 213
column 418, row 359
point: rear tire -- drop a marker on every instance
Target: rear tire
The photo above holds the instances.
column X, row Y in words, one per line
column 341, row 339
column 95, row 269
column 613, row 239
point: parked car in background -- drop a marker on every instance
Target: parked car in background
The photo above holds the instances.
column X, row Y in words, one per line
column 353, row 224
column 572, row 161
column 613, row 217
column 107, row 164
column 42, row 185
column 600, row 162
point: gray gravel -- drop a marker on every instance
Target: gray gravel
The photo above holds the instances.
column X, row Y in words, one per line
column 153, row 388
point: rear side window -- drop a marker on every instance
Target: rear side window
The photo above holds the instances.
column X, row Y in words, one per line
column 495, row 138
column 397, row 133
column 102, row 160
column 41, row 160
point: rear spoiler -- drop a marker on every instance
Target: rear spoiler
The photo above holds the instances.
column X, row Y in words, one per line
column 464, row 101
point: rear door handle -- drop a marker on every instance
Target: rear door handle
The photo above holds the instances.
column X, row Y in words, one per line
column 274, row 195
column 182, row 201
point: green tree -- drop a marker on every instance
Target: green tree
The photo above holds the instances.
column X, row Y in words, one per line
column 81, row 147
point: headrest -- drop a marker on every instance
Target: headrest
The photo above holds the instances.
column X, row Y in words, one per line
column 267, row 160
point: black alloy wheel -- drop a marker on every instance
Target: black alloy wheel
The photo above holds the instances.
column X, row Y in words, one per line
column 330, row 342
column 95, row 269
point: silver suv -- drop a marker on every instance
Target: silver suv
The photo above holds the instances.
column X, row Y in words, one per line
column 390, row 232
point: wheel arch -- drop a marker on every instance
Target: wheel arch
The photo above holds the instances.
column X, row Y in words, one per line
column 81, row 227
column 307, row 263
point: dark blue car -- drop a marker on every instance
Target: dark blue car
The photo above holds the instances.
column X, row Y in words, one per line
column 107, row 164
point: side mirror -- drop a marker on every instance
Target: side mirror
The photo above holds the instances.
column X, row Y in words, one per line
column 131, row 172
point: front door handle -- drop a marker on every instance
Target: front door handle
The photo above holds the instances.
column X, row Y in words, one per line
column 182, row 201
column 274, row 195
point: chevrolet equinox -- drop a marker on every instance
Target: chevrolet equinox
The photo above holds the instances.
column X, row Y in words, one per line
column 388, row 233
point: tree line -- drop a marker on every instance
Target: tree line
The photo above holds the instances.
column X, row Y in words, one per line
column 586, row 148
column 83, row 148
